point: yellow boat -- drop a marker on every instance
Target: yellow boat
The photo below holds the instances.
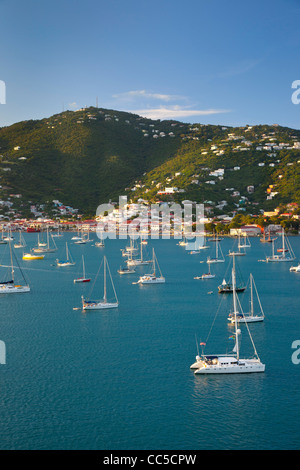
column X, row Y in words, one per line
column 32, row 256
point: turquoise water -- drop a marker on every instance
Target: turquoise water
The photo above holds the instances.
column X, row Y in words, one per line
column 120, row 379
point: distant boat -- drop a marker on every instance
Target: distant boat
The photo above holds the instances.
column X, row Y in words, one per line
column 239, row 252
column 153, row 278
column 47, row 248
column 104, row 303
column 137, row 261
column 267, row 240
column 208, row 275
column 32, row 256
column 126, row 271
column 69, row 260
column 21, row 243
column 283, row 257
column 227, row 287
column 10, row 287
column 217, row 259
column 295, row 269
column 83, row 278
column 250, row 317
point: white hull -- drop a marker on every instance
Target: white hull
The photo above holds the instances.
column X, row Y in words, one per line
column 65, row 264
column 229, row 366
column 4, row 289
column 99, row 305
column 138, row 263
column 248, row 319
column 214, row 261
column 206, row 276
column 151, row 280
column 82, row 279
column 295, row 269
column 279, row 259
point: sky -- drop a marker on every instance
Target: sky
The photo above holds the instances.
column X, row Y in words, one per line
column 197, row 61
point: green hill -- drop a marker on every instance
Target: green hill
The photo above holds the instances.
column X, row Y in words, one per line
column 87, row 157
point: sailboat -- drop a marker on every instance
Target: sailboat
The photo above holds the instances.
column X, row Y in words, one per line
column 3, row 241
column 104, row 303
column 282, row 257
column 9, row 287
column 227, row 287
column 32, row 256
column 100, row 243
column 137, row 261
column 267, row 240
column 239, row 252
column 126, row 270
column 69, row 260
column 153, row 278
column 245, row 244
column 250, row 317
column 229, row 363
column 216, row 259
column 47, row 248
column 208, row 275
column 295, row 269
column 83, row 278
column 21, row 243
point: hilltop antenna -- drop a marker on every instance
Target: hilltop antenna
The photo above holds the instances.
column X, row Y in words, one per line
column 96, row 101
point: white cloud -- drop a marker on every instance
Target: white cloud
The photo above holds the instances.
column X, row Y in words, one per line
column 175, row 112
column 136, row 94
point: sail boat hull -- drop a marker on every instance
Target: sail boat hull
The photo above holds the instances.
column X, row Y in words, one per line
column 242, row 366
column 99, row 305
column 149, row 279
column 13, row 289
column 247, row 319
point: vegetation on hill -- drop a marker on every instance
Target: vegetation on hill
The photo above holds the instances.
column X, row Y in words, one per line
column 87, row 157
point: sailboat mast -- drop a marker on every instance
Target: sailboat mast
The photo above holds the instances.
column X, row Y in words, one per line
column 83, row 266
column 235, row 312
column 11, row 261
column 251, row 296
column 105, row 296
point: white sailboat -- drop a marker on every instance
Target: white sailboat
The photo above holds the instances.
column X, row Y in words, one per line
column 245, row 244
column 83, row 278
column 208, row 275
column 47, row 248
column 103, row 303
column 153, row 278
column 69, row 260
column 239, row 252
column 10, row 287
column 137, row 261
column 286, row 252
column 250, row 317
column 21, row 243
column 295, row 269
column 217, row 259
column 233, row 363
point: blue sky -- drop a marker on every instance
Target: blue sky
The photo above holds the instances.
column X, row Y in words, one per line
column 217, row 62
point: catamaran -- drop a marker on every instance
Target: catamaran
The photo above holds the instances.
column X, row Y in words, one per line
column 83, row 278
column 104, row 303
column 216, row 259
column 69, row 260
column 283, row 256
column 9, row 287
column 229, row 363
column 250, row 317
column 153, row 278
